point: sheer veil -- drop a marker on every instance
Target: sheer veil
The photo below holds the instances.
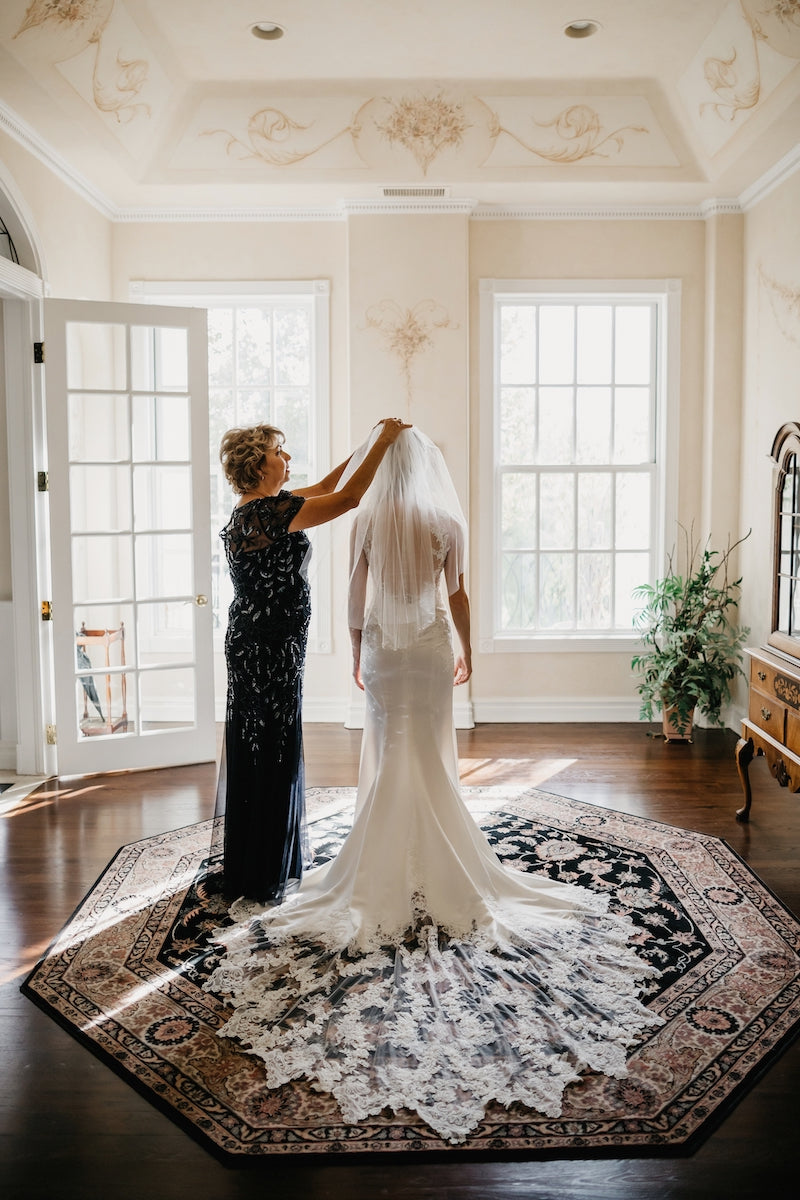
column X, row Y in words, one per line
column 407, row 521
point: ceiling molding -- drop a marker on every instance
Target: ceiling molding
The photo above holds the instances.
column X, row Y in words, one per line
column 12, row 124
column 27, row 137
column 297, row 212
column 783, row 169
column 385, row 207
column 601, row 212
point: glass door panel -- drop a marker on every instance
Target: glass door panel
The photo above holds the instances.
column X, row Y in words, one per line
column 129, row 488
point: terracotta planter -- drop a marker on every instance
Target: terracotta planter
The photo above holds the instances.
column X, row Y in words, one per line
column 674, row 730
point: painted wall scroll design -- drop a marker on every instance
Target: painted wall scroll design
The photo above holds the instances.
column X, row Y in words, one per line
column 79, row 25
column 426, row 125
column 408, row 332
column 785, row 304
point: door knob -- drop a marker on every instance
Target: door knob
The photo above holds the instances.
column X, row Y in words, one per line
column 201, row 600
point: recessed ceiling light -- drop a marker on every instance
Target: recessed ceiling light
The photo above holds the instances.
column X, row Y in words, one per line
column 581, row 29
column 267, row 30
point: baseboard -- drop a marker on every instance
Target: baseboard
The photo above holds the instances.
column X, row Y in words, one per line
column 565, row 710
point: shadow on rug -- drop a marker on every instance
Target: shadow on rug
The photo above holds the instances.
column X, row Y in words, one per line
column 125, row 976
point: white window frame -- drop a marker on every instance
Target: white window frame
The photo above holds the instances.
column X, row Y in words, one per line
column 188, row 293
column 666, row 295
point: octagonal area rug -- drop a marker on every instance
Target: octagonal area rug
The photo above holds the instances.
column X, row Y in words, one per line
column 126, row 976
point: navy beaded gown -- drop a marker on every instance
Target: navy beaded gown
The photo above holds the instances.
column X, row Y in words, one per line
column 261, row 786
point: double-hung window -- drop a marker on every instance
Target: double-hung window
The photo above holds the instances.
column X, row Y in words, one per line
column 268, row 363
column 575, row 447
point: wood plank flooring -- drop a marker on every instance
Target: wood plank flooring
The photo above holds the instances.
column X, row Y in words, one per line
column 70, row 1129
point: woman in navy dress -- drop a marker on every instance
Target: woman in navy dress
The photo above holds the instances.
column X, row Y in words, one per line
column 261, row 785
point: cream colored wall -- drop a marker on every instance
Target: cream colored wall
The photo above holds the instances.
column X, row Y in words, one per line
column 587, row 250
column 75, row 239
column 771, row 381
column 5, row 523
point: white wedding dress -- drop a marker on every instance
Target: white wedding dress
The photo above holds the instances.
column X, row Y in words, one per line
column 415, row 971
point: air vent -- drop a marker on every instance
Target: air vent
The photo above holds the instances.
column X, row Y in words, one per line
column 426, row 193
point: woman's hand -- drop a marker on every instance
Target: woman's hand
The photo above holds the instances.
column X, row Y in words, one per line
column 357, row 675
column 462, row 670
column 392, row 427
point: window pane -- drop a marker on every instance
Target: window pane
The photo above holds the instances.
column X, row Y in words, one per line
column 594, row 591
column 97, row 357
column 102, row 568
column 98, row 428
column 104, row 703
column 517, row 343
column 557, row 591
column 593, row 425
column 292, row 410
column 594, row 512
column 98, row 619
column 633, row 512
column 556, row 425
column 556, row 343
column 594, row 343
column 632, row 425
column 557, row 512
column 253, row 407
column 632, row 359
column 166, row 699
column 518, row 609
column 220, row 347
column 293, row 346
column 100, row 498
column 163, row 565
column 517, row 425
column 630, row 570
column 253, row 346
column 162, row 497
column 166, row 632
column 519, row 511
column 159, row 359
column 161, row 428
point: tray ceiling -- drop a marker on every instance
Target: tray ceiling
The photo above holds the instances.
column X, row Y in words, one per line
column 174, row 104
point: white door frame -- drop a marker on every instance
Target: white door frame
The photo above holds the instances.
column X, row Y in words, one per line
column 21, row 292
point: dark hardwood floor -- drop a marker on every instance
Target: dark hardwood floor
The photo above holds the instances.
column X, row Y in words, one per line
column 72, row 1130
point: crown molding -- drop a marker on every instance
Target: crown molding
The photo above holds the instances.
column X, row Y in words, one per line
column 783, row 169
column 12, row 124
column 297, row 212
column 384, row 207
column 604, row 212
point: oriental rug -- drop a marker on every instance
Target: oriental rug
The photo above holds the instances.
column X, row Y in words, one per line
column 125, row 976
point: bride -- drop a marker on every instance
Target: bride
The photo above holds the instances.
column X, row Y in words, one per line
column 416, row 971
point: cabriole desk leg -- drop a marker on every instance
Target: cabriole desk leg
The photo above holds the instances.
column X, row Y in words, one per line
column 744, row 756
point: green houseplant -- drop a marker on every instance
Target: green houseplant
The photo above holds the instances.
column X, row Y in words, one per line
column 692, row 645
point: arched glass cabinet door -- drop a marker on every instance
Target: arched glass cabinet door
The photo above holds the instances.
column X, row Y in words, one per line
column 785, row 635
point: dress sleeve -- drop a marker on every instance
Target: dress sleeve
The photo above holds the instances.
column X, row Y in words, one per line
column 357, row 594
column 276, row 513
column 454, row 562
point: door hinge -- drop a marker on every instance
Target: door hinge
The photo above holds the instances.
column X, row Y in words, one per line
column 51, row 735
column 42, row 481
column 47, row 610
column 38, row 352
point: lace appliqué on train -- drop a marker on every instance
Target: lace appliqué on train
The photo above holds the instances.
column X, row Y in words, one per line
column 437, row 1023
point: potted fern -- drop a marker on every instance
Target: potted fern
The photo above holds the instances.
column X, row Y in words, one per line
column 692, row 645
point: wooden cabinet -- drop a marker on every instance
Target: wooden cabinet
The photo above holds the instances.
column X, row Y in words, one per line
column 772, row 727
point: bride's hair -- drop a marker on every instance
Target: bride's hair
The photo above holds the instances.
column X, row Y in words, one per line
column 408, row 521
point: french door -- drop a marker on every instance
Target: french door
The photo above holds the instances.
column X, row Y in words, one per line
column 127, row 449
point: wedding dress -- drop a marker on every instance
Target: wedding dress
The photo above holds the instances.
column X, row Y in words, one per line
column 415, row 971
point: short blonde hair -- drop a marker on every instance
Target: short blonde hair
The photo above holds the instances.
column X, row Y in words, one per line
column 242, row 451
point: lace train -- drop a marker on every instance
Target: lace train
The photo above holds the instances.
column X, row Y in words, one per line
column 438, row 1024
